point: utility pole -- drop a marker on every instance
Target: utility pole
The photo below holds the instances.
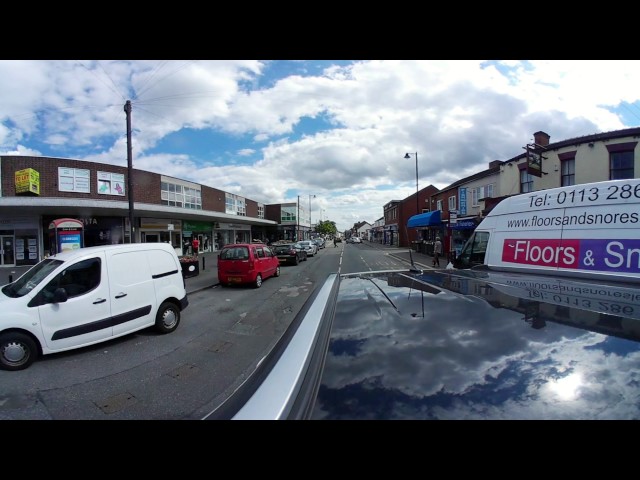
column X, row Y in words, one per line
column 127, row 110
column 298, row 221
column 310, row 195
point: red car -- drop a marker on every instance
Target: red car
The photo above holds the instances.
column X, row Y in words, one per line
column 249, row 263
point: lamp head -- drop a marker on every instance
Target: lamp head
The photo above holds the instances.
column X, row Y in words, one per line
column 407, row 155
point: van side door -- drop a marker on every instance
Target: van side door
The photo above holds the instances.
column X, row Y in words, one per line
column 133, row 299
column 84, row 317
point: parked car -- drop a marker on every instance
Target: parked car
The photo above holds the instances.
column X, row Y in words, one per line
column 453, row 344
column 319, row 241
column 89, row 295
column 290, row 253
column 310, row 247
column 247, row 263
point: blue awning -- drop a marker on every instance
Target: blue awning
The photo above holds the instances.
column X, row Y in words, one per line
column 429, row 219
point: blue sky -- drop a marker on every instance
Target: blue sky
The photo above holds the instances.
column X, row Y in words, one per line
column 339, row 130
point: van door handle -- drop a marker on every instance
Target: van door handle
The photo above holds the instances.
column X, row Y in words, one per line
column 120, row 295
column 100, row 300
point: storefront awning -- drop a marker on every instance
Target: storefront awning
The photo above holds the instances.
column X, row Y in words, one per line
column 429, row 219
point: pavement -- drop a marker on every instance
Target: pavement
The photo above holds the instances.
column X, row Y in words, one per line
column 208, row 276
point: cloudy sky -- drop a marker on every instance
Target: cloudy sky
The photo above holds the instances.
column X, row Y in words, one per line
column 339, row 130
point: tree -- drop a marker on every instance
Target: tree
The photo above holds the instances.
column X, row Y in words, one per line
column 326, row 227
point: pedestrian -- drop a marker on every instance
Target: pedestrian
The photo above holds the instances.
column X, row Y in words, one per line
column 195, row 243
column 437, row 251
column 335, row 242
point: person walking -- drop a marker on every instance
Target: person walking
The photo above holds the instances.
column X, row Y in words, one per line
column 437, row 251
column 335, row 242
column 195, row 243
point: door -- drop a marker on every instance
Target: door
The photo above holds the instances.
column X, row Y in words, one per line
column 133, row 296
column 7, row 255
column 85, row 317
column 266, row 261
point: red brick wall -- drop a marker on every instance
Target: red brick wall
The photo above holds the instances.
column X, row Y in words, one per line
column 146, row 184
column 273, row 212
column 252, row 208
column 213, row 199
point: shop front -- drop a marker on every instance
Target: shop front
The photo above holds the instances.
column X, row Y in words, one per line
column 391, row 234
column 202, row 231
column 461, row 232
column 165, row 230
column 429, row 227
column 20, row 243
column 232, row 233
column 96, row 230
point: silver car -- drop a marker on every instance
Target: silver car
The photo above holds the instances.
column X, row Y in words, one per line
column 310, row 247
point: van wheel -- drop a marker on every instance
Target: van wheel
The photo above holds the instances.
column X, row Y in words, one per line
column 17, row 351
column 168, row 317
column 258, row 282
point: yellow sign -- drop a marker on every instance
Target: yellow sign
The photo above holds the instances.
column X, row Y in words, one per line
column 27, row 180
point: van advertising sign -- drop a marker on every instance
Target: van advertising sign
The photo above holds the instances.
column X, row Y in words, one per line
column 602, row 255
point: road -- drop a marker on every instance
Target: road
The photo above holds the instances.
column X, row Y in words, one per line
column 223, row 334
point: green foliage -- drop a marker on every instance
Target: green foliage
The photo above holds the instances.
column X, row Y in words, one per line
column 326, row 227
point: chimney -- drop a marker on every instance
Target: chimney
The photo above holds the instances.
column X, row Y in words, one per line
column 495, row 163
column 541, row 138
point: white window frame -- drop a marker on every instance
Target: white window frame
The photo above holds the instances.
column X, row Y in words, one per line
column 489, row 191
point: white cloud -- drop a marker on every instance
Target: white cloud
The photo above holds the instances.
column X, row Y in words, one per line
column 21, row 150
column 458, row 115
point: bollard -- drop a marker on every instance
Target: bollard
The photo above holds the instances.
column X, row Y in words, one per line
column 203, row 259
column 11, row 277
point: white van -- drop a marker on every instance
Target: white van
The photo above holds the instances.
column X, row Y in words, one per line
column 589, row 230
column 89, row 295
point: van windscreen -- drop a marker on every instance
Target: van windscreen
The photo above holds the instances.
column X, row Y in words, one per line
column 474, row 251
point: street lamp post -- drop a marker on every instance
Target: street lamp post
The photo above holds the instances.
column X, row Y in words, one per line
column 297, row 239
column 408, row 155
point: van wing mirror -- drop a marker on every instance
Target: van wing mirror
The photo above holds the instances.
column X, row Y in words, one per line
column 60, row 295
